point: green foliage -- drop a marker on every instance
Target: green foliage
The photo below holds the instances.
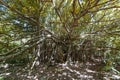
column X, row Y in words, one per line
column 1, row 78
column 60, row 30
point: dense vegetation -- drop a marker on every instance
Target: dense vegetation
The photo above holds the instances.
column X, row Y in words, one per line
column 59, row 31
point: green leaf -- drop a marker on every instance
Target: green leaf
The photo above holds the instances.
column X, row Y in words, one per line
column 1, row 78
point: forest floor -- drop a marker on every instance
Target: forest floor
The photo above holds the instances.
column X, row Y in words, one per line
column 71, row 71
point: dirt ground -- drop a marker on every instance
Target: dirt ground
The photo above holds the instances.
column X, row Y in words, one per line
column 65, row 71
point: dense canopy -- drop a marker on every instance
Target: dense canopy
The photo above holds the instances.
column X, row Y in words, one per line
column 59, row 31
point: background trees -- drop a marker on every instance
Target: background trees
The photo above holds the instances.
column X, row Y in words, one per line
column 60, row 30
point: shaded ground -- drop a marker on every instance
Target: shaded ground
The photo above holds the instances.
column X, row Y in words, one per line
column 77, row 71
